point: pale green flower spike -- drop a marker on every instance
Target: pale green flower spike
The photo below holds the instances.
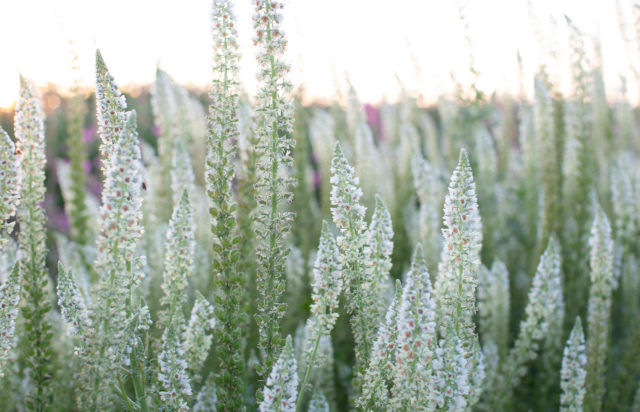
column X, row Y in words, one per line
column 9, row 301
column 196, row 340
column 73, row 308
column 36, row 291
column 414, row 385
column 378, row 376
column 9, row 186
column 599, row 308
column 273, row 186
column 455, row 288
column 573, row 372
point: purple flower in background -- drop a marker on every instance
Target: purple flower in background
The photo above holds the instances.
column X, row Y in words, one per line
column 374, row 121
column 86, row 165
column 89, row 134
column 317, row 179
column 156, row 130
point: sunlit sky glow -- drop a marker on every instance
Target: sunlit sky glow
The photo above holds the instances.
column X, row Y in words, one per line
column 370, row 41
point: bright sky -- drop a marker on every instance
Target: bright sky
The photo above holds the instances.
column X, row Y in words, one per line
column 371, row 41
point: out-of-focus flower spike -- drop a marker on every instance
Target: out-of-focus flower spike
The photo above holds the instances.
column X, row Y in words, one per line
column 573, row 372
column 9, row 301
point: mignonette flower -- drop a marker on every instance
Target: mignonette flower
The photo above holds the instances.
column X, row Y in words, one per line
column 9, row 186
column 175, row 387
column 455, row 288
column 599, row 308
column 196, row 340
column 348, row 213
column 273, row 184
column 110, row 109
column 281, row 389
column 36, row 335
column 327, row 281
column 180, row 248
column 72, row 305
column 573, row 372
column 9, row 300
column 416, row 341
column 378, row 376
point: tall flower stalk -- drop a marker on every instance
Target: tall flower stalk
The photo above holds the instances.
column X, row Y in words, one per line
column 272, row 221
column 573, row 372
column 231, row 295
column 599, row 309
column 457, row 272
column 327, row 286
column 9, row 187
column 120, row 317
column 348, row 215
column 36, row 294
column 175, row 390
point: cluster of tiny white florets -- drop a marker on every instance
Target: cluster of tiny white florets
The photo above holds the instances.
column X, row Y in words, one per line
column 416, row 340
column 9, row 185
column 378, row 376
column 573, row 372
column 457, row 273
column 180, row 248
column 624, row 204
column 327, row 281
column 451, row 374
column 348, row 213
column 175, row 387
column 599, row 307
column 9, row 300
column 378, row 249
column 72, row 305
column 120, row 214
column 273, row 184
column 196, row 339
column 281, row 389
column 30, row 155
column 110, row 109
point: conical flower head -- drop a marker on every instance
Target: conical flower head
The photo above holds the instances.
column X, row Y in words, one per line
column 601, row 248
column 462, row 232
column 348, row 213
column 380, row 235
column 416, row 337
column 180, row 248
column 573, row 372
column 327, row 276
column 73, row 308
column 378, row 375
column 9, row 300
column 281, row 389
column 120, row 213
column 9, row 184
column 111, row 109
